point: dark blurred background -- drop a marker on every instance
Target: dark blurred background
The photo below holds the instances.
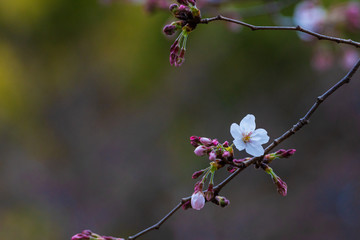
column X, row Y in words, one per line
column 95, row 126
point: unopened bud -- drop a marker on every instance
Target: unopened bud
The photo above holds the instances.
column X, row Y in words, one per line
column 80, row 236
column 87, row 234
column 240, row 161
column 288, row 153
column 174, row 46
column 195, row 141
column 186, row 205
column 226, row 154
column 280, row 151
column 215, row 142
column 197, row 200
column 198, row 186
column 226, row 144
column 172, row 58
column 197, row 174
column 169, row 29
column 223, row 201
column 204, row 140
column 281, row 186
column 231, row 169
column 212, row 156
column 200, row 150
column 209, row 194
column 173, row 7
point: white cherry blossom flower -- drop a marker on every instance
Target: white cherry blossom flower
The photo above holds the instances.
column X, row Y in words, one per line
column 246, row 137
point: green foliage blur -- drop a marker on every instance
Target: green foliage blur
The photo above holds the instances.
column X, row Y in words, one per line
column 95, row 126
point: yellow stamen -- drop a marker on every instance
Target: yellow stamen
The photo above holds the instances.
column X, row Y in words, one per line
column 246, row 138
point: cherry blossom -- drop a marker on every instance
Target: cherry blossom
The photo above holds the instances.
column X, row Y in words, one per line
column 246, row 137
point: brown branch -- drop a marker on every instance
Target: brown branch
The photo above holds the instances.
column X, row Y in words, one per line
column 302, row 122
column 158, row 224
column 297, row 28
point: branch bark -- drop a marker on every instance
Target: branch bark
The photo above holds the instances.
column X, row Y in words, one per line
column 282, row 28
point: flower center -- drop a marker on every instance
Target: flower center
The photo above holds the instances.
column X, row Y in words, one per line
column 246, row 137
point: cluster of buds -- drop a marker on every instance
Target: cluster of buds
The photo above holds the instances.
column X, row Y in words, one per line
column 189, row 16
column 88, row 235
column 281, row 153
column 280, row 184
column 218, row 153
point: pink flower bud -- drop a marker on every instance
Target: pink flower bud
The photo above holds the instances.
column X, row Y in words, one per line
column 186, row 205
column 222, row 201
column 231, row 169
column 215, row 142
column 209, row 195
column 239, row 161
column 226, row 144
column 212, row 156
column 195, row 141
column 198, row 186
column 226, row 154
column 80, row 236
column 172, row 58
column 169, row 29
column 174, row 46
column 280, row 151
column 173, row 7
column 288, row 153
column 281, row 186
column 206, row 141
column 183, row 8
column 200, row 150
column 197, row 200
column 197, row 174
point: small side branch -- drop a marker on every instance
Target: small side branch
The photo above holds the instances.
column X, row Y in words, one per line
column 282, row 28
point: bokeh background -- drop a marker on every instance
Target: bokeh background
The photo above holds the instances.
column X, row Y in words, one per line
column 95, row 126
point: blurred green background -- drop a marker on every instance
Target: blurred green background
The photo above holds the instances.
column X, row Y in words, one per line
column 95, row 127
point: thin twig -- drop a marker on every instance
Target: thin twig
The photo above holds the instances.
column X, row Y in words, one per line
column 302, row 122
column 158, row 224
column 297, row 28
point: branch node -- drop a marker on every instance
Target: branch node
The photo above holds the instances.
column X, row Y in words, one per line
column 320, row 99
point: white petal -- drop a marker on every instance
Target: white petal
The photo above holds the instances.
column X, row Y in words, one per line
column 254, row 149
column 260, row 136
column 247, row 124
column 235, row 131
column 239, row 144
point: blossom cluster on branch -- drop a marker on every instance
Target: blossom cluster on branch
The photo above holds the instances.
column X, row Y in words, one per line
column 246, row 137
column 311, row 18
